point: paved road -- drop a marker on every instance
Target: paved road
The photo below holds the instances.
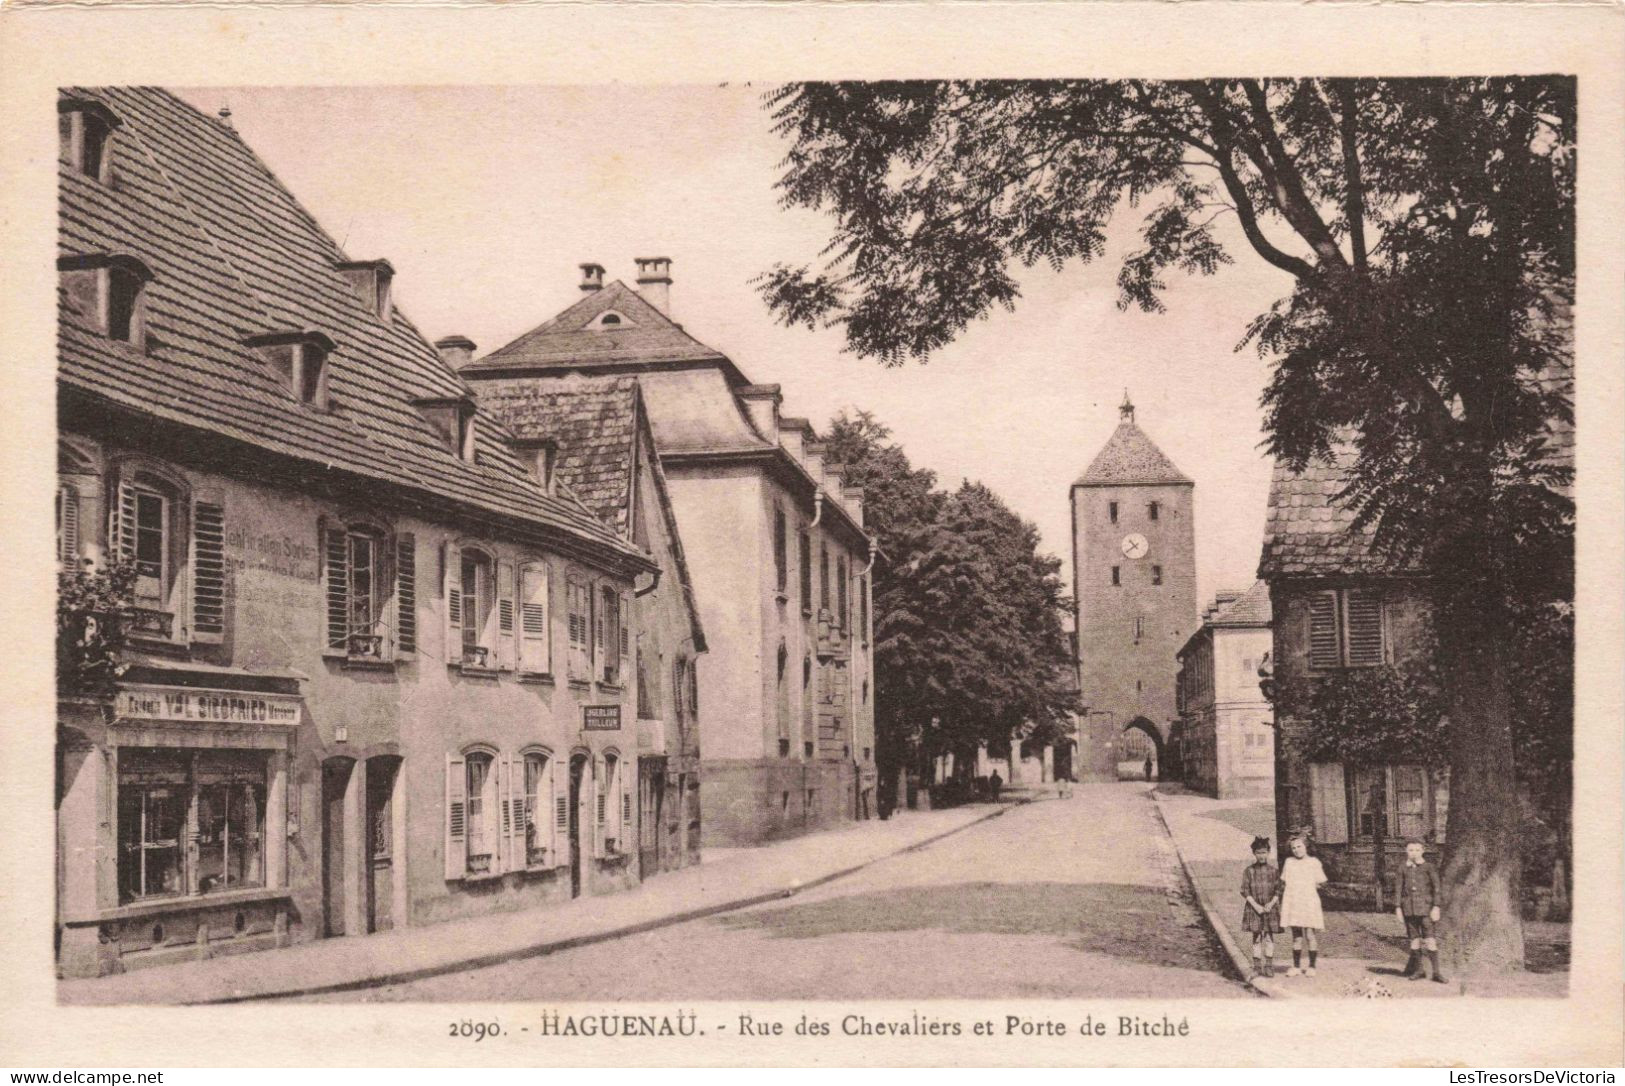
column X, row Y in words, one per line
column 1054, row 899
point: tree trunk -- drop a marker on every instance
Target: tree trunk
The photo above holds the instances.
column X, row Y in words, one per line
column 1483, row 926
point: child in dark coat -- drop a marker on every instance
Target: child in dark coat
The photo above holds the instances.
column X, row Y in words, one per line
column 1261, row 890
column 1420, row 899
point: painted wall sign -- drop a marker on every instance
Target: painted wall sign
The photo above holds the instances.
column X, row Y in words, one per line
column 208, row 706
column 601, row 718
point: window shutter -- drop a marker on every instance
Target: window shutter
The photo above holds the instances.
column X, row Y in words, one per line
column 1363, row 613
column 122, row 533
column 1441, row 803
column 600, row 809
column 533, row 639
column 1329, row 803
column 406, row 593
column 456, row 845
column 505, row 615
column 451, row 572
column 335, row 561
column 624, row 832
column 67, row 525
column 626, row 637
column 208, row 571
column 561, row 814
column 1323, row 651
column 508, row 815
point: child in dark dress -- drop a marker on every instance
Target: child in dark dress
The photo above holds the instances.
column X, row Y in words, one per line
column 1261, row 890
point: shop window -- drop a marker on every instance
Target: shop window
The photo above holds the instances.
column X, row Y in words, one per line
column 212, row 799
column 1403, row 805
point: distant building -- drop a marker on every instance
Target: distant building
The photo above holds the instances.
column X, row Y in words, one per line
column 592, row 434
column 1134, row 563
column 776, row 545
column 1227, row 741
column 354, row 697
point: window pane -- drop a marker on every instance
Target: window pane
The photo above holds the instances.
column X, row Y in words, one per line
column 149, row 548
column 480, row 840
column 363, row 582
column 122, row 289
column 535, row 775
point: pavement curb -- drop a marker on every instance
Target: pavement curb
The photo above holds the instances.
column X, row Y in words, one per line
column 553, row 946
column 1241, row 961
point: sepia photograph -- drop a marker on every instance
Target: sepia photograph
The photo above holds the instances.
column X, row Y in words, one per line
column 867, row 546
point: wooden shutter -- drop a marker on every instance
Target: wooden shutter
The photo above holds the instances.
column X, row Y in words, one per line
column 1329, row 803
column 1323, row 649
column 208, row 571
column 121, row 532
column 626, row 831
column 1363, row 627
column 509, row 815
column 456, row 844
column 560, row 842
column 406, row 593
column 451, row 572
column 533, row 619
column 67, row 526
column 336, row 570
column 505, row 615
column 600, row 784
column 623, row 611
column 1441, row 803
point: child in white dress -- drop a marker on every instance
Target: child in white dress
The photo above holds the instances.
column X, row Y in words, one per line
column 1302, row 876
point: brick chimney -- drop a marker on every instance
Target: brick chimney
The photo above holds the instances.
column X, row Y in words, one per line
column 455, row 351
column 592, row 277
column 654, row 281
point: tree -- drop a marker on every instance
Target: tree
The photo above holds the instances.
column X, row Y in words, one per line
column 90, row 605
column 1428, row 227
column 967, row 611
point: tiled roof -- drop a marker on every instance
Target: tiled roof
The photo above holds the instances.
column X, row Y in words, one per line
column 594, row 421
column 1251, row 608
column 1309, row 533
column 233, row 254
column 1130, row 459
column 565, row 341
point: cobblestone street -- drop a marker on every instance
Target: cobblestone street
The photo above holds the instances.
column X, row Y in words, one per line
column 1056, row 899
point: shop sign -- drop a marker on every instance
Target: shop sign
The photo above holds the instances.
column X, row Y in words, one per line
column 601, row 718
column 208, row 706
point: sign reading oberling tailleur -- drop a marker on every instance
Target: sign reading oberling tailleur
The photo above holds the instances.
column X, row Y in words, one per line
column 601, row 718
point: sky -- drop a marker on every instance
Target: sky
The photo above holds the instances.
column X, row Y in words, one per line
column 485, row 200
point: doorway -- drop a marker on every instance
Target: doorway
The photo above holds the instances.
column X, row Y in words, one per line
column 578, row 772
column 380, row 846
column 651, row 812
column 335, row 784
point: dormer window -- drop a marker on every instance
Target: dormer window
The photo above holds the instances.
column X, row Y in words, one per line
column 453, row 419
column 372, row 281
column 299, row 360
column 611, row 320
column 109, row 289
column 85, row 136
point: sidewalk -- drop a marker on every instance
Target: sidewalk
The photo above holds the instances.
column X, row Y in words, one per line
column 742, row 878
column 1362, row 954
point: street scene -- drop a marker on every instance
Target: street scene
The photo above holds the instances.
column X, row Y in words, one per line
column 1030, row 540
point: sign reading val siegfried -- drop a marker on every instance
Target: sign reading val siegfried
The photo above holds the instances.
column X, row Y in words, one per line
column 209, row 706
column 601, row 718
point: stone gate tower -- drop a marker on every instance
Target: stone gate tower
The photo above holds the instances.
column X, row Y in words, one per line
column 1134, row 569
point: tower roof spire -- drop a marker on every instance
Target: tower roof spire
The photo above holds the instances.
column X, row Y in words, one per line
column 1125, row 410
column 1130, row 458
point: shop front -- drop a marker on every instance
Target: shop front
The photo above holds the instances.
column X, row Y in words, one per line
column 172, row 822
